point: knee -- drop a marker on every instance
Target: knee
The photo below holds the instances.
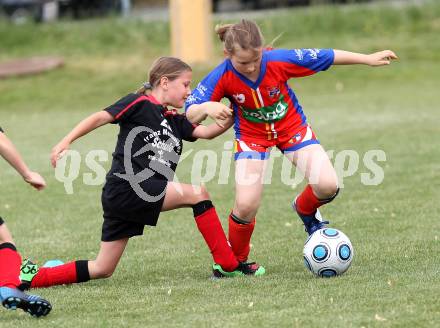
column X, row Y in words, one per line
column 5, row 234
column 6, row 240
column 201, row 195
column 327, row 190
column 246, row 209
column 100, row 272
column 104, row 273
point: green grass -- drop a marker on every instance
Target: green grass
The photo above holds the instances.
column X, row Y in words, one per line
column 163, row 278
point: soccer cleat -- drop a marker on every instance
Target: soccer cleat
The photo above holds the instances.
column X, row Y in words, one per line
column 13, row 299
column 28, row 270
column 243, row 269
column 312, row 222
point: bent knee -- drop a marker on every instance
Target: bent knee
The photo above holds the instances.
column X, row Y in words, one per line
column 246, row 209
column 103, row 274
column 201, row 195
column 326, row 190
column 100, row 272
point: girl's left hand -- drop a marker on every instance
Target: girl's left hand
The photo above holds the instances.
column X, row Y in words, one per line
column 58, row 152
column 381, row 58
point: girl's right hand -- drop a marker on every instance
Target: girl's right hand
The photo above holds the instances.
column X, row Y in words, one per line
column 219, row 113
column 58, row 152
column 35, row 180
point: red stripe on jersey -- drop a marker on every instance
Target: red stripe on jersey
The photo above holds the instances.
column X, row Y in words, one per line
column 142, row 98
column 153, row 100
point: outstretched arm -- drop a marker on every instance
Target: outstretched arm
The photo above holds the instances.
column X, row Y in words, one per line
column 212, row 130
column 13, row 157
column 216, row 110
column 375, row 59
column 85, row 126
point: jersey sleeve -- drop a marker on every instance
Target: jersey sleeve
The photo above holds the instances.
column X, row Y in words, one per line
column 209, row 89
column 186, row 128
column 124, row 107
column 1, row 130
column 302, row 62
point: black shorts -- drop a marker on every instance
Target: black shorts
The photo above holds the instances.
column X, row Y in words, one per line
column 125, row 213
column 116, row 229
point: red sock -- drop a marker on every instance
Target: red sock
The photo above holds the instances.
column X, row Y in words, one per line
column 10, row 262
column 211, row 229
column 307, row 203
column 240, row 238
column 68, row 273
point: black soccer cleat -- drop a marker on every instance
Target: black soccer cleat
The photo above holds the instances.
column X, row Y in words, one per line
column 312, row 222
column 13, row 299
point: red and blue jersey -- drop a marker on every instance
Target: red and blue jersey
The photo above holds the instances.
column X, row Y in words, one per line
column 266, row 109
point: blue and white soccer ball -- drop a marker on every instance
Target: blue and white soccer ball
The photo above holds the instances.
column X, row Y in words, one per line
column 328, row 252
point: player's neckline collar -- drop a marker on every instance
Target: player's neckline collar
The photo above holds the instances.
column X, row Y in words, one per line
column 248, row 82
column 153, row 100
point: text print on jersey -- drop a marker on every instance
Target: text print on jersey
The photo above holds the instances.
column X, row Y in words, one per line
column 266, row 114
column 163, row 155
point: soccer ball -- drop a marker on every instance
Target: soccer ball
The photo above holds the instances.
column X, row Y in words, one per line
column 328, row 252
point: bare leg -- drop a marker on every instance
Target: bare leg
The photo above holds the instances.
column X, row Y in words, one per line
column 5, row 234
column 108, row 258
column 249, row 175
column 183, row 195
column 314, row 163
column 177, row 195
column 206, row 218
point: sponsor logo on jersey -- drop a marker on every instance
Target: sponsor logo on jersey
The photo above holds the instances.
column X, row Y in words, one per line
column 295, row 138
column 266, row 114
column 166, row 125
column 313, row 53
column 299, row 54
column 240, row 98
column 273, row 91
column 201, row 89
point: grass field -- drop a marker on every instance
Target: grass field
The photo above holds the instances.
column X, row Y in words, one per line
column 163, row 279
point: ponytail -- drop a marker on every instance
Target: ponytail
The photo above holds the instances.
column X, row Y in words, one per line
column 245, row 35
column 145, row 89
column 170, row 67
column 221, row 30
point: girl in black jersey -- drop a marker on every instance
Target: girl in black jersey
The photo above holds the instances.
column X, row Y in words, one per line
column 139, row 184
column 10, row 295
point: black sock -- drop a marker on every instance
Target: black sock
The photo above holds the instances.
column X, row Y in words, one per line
column 8, row 245
column 236, row 219
column 202, row 207
column 82, row 271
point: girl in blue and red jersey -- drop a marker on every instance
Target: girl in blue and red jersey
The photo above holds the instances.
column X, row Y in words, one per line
column 11, row 296
column 267, row 114
column 139, row 185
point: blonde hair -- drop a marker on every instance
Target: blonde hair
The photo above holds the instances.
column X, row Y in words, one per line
column 245, row 34
column 170, row 67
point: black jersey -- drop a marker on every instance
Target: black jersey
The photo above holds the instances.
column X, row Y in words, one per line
column 1, row 129
column 149, row 141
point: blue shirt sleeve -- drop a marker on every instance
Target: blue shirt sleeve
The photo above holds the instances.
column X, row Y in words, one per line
column 302, row 62
column 209, row 89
